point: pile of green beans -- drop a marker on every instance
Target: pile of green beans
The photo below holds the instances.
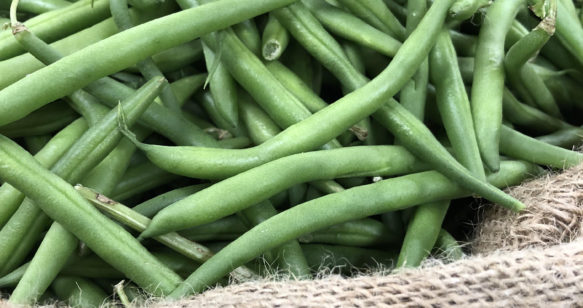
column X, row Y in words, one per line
column 180, row 145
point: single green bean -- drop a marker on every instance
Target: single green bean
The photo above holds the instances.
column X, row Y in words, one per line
column 274, row 40
column 464, row 9
column 16, row 103
column 249, row 34
column 354, row 203
column 11, row 279
column 284, row 173
column 526, row 116
column 225, row 229
column 517, row 145
column 45, row 120
column 360, row 233
column 565, row 138
column 139, row 179
column 39, row 7
column 79, row 292
column 569, row 29
column 448, row 247
column 150, row 207
column 487, row 87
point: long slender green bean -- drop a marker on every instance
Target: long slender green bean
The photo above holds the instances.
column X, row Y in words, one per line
column 486, row 96
column 354, row 203
column 377, row 14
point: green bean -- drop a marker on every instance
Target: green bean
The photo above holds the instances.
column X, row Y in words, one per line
column 352, row 28
column 346, row 258
column 45, row 120
column 131, row 80
column 178, row 57
column 517, row 145
column 35, row 143
column 79, row 292
column 377, row 14
column 362, row 233
column 523, row 77
column 59, row 144
column 57, row 24
column 453, row 104
column 521, row 114
column 39, row 7
column 354, row 56
column 464, row 9
column 139, row 179
column 228, row 228
column 486, row 96
column 28, row 64
column 447, row 246
column 569, row 29
column 152, row 206
column 565, row 138
column 121, row 16
column 11, row 279
column 139, row 222
column 465, row 45
column 249, row 34
column 257, row 122
column 289, row 255
column 354, row 203
column 413, row 95
column 304, row 66
column 284, row 173
column 80, row 72
column 422, row 233
column 274, row 40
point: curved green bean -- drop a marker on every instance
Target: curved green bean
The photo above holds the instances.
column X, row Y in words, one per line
column 274, row 40
column 377, row 14
column 152, row 206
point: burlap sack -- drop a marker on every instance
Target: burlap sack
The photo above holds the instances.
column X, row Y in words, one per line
column 531, row 259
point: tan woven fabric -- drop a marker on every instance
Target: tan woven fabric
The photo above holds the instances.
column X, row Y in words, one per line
column 550, row 277
column 554, row 215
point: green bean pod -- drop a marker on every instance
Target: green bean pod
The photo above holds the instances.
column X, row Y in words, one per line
column 354, row 203
column 565, row 138
column 139, row 179
column 377, row 14
column 487, row 87
column 152, row 206
column 222, row 87
column 464, row 9
column 45, row 120
column 274, row 40
column 448, row 247
column 43, row 6
column 356, row 233
column 79, row 292
column 225, row 229
column 569, row 29
column 352, row 28
column 74, row 71
column 284, row 173
column 524, row 115
column 248, row 33
column 517, row 145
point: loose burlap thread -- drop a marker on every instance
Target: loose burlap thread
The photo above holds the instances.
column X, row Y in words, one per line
column 530, row 259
